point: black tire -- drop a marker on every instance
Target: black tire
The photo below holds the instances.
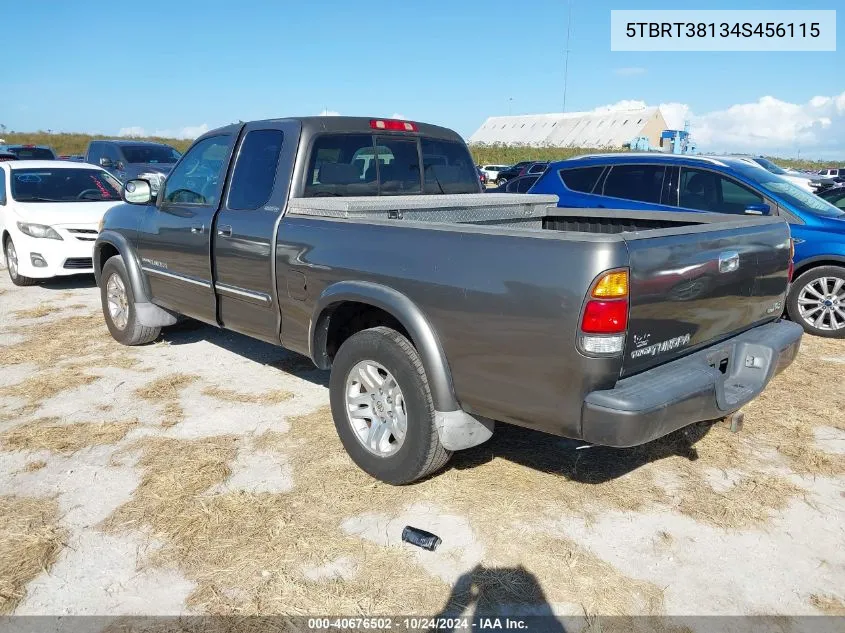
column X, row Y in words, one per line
column 501, row 181
column 421, row 452
column 798, row 286
column 133, row 333
column 17, row 279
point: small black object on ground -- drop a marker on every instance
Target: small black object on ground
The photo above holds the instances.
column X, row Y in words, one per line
column 420, row 538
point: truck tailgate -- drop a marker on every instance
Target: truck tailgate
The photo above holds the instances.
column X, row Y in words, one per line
column 693, row 289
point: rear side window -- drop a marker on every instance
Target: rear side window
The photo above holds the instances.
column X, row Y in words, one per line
column 398, row 166
column 33, row 153
column 2, row 187
column 448, row 167
column 521, row 185
column 581, row 179
column 635, row 182
column 342, row 165
column 255, row 171
column 537, row 169
column 366, row 165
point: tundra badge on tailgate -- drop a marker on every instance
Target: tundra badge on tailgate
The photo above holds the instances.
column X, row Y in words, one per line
column 663, row 346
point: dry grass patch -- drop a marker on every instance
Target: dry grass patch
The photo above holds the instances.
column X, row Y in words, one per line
column 42, row 310
column 246, row 551
column 31, row 467
column 43, row 385
column 272, row 441
column 829, row 605
column 30, row 541
column 77, row 341
column 47, row 434
column 275, row 396
column 165, row 392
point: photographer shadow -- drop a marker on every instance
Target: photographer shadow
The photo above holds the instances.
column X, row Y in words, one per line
column 486, row 593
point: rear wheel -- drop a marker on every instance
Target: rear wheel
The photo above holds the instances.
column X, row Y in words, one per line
column 501, row 181
column 382, row 407
column 817, row 301
column 119, row 306
column 12, row 264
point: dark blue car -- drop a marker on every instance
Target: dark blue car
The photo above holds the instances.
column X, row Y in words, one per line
column 665, row 182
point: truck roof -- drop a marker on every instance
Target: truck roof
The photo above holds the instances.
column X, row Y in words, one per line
column 124, row 141
column 349, row 124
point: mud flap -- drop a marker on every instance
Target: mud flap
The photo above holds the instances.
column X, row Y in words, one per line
column 459, row 430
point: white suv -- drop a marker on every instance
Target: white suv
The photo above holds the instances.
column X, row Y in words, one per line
column 50, row 212
column 492, row 171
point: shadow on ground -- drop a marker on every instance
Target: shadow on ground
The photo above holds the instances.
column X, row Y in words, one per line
column 489, row 592
column 191, row 331
column 584, row 463
column 533, row 449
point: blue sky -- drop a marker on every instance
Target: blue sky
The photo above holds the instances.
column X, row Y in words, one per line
column 166, row 66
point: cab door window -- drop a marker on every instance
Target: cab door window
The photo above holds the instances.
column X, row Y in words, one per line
column 197, row 177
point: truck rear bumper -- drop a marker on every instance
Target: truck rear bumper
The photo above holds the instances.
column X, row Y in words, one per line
column 706, row 385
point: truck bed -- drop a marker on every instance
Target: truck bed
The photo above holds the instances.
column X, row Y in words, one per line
column 514, row 211
column 695, row 278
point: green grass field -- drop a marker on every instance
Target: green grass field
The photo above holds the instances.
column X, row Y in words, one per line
column 74, row 143
column 482, row 154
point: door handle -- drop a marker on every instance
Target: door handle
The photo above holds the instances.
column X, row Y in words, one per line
column 198, row 229
column 224, row 230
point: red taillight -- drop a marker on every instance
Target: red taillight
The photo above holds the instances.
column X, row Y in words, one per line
column 393, row 125
column 605, row 317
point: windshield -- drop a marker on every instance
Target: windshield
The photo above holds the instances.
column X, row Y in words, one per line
column 63, row 185
column 150, row 154
column 770, row 166
column 32, row 153
column 791, row 194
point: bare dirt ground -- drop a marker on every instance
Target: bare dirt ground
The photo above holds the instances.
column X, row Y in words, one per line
column 202, row 474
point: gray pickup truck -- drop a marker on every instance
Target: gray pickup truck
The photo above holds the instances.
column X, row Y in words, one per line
column 366, row 245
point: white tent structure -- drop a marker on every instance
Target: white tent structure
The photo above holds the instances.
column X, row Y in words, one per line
column 610, row 129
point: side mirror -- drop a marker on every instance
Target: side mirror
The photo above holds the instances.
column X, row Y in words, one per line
column 105, row 162
column 757, row 209
column 137, row 192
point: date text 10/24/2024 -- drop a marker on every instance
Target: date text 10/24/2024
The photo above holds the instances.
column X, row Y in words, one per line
column 418, row 623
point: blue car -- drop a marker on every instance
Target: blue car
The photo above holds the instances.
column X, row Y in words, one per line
column 665, row 182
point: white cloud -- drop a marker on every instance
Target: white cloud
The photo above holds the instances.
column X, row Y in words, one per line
column 187, row 132
column 132, row 131
column 630, row 71
column 396, row 115
column 770, row 124
column 815, row 128
column 329, row 113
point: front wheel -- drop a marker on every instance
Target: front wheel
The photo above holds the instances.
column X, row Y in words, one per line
column 382, row 407
column 12, row 264
column 119, row 306
column 501, row 181
column 816, row 301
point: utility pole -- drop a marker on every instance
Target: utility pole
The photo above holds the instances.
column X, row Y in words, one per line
column 566, row 55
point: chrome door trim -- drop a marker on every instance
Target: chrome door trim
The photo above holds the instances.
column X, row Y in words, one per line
column 163, row 273
column 242, row 293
